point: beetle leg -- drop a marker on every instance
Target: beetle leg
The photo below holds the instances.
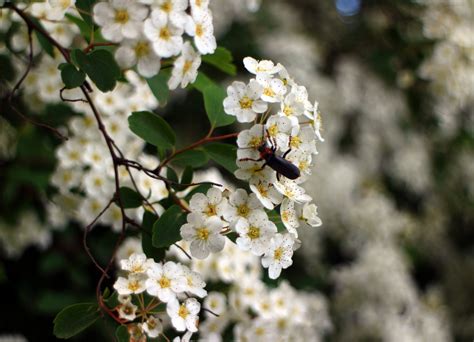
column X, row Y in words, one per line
column 278, row 176
column 263, row 166
column 251, row 159
column 289, row 148
column 271, row 141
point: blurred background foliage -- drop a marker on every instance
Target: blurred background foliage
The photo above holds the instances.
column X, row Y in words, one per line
column 392, row 173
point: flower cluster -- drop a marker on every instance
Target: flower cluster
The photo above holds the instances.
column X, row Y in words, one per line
column 147, row 284
column 257, row 312
column 148, row 31
column 451, row 65
column 217, row 213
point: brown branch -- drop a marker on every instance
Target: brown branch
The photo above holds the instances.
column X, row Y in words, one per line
column 87, row 231
column 200, row 142
column 91, row 46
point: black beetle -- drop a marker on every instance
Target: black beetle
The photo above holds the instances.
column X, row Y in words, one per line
column 277, row 163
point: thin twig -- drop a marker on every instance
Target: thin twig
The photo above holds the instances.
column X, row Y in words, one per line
column 87, row 231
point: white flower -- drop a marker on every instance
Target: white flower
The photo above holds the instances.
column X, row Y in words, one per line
column 273, row 88
column 241, row 205
column 174, row 9
column 210, row 204
column 135, row 283
column 185, row 338
column 138, row 52
column 302, row 138
column 251, row 138
column 266, row 192
column 62, row 32
column 96, row 183
column 289, row 216
column 199, row 5
column 165, row 281
column 136, row 263
column 185, row 67
column 166, row 37
column 200, row 27
column 309, row 215
column 184, row 316
column 279, row 255
column 58, row 8
column 97, row 156
column 215, row 302
column 279, row 128
column 204, row 235
column 152, row 326
column 315, row 120
column 243, row 101
column 291, row 107
column 260, row 68
column 255, row 233
column 128, row 311
column 290, row 189
column 194, row 283
column 120, row 19
column 254, row 170
column 66, row 178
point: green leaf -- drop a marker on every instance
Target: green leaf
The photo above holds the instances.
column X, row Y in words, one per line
column 130, row 198
column 75, row 318
column 122, row 334
column 275, row 217
column 222, row 60
column 171, row 175
column 166, row 228
column 71, row 77
column 84, row 7
column 202, row 82
column 150, row 251
column 187, row 176
column 100, row 66
column 159, row 86
column 214, row 96
column 194, row 158
column 223, row 154
column 85, row 28
column 152, row 128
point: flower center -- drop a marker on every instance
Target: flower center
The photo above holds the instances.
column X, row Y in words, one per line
column 269, row 92
column 198, row 3
column 165, row 33
column 287, row 110
column 183, row 311
column 199, row 30
column 278, row 254
column 255, row 142
column 142, row 49
column 187, row 66
column 167, row 7
column 273, row 130
column 262, row 190
column 285, row 215
column 245, row 102
column 295, row 142
column 164, row 282
column 202, row 234
column 121, row 16
column 211, row 210
column 243, row 210
column 133, row 285
column 254, row 233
